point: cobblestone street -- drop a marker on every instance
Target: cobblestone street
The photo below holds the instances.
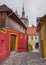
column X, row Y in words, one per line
column 24, row 58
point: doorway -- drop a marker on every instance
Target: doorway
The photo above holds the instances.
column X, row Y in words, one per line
column 12, row 42
column 36, row 46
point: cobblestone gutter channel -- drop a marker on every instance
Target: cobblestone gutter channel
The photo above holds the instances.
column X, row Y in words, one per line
column 24, row 58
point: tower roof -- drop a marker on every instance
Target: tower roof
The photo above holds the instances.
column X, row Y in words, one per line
column 23, row 12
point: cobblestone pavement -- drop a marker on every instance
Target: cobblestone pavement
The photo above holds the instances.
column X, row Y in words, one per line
column 24, row 58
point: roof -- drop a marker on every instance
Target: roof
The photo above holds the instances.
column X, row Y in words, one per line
column 31, row 31
column 43, row 19
column 5, row 8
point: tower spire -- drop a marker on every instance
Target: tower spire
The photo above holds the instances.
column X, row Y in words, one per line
column 23, row 12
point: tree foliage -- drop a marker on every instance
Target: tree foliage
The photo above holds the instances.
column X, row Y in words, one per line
column 30, row 47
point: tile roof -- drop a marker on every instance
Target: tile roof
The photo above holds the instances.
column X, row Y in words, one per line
column 31, row 31
column 4, row 8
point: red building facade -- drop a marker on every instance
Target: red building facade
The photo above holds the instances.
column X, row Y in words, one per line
column 13, row 35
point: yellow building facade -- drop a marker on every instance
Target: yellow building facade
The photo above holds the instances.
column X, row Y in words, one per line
column 32, row 37
column 33, row 41
column 41, row 27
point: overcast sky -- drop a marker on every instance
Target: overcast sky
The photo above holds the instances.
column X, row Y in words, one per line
column 33, row 8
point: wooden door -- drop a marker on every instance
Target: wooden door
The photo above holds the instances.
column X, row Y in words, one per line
column 12, row 42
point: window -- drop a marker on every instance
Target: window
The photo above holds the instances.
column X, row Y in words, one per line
column 2, row 24
column 35, row 37
column 31, row 37
column 2, row 21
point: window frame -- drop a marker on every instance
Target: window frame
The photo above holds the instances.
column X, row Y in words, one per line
column 35, row 37
column 31, row 37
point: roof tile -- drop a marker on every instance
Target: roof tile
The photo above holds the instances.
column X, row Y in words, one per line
column 31, row 31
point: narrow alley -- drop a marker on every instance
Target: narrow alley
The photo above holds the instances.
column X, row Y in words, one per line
column 22, row 32
column 24, row 58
